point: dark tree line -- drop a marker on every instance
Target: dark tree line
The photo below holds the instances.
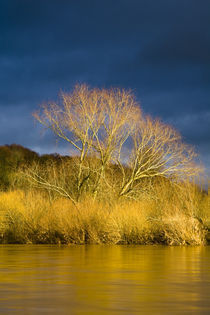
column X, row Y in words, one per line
column 14, row 156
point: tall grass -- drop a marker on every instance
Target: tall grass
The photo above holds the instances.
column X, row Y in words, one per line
column 169, row 217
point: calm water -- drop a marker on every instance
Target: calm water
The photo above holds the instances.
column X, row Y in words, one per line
column 104, row 280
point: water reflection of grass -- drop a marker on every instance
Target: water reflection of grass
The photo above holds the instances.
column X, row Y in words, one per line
column 104, row 279
column 31, row 218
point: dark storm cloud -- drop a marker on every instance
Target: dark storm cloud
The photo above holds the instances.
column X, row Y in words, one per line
column 160, row 49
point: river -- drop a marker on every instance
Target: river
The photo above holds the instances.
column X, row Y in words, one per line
column 94, row 279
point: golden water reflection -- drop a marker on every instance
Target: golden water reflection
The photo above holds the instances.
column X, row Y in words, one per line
column 104, row 279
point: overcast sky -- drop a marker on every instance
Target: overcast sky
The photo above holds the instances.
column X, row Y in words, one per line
column 158, row 48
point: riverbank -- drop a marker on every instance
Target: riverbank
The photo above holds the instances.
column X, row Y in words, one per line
column 31, row 218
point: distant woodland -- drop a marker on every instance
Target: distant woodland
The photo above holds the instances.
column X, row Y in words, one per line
column 15, row 157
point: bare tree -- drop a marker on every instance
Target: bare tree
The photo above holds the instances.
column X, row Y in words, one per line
column 95, row 122
column 105, row 123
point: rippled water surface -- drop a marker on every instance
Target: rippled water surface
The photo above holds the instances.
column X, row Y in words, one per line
column 92, row 279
